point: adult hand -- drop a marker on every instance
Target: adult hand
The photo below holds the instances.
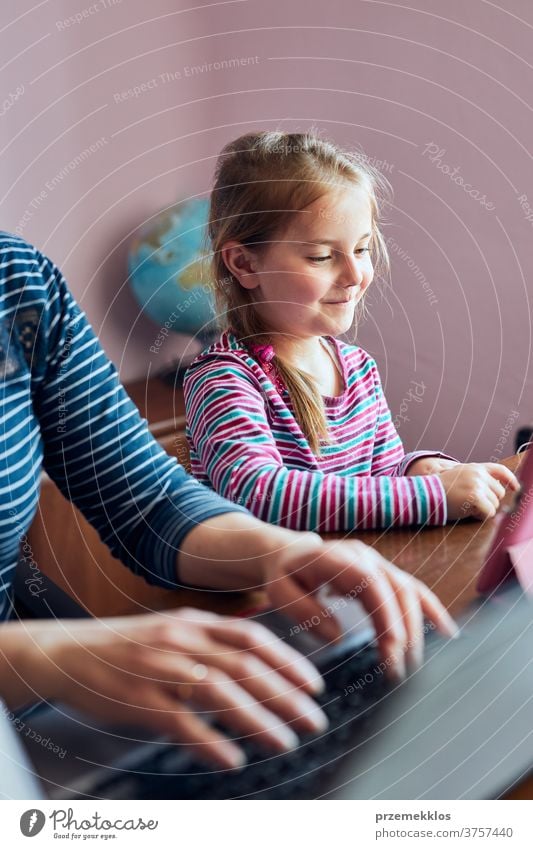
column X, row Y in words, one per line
column 158, row 670
column 396, row 601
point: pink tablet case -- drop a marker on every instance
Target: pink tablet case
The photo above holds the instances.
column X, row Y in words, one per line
column 512, row 547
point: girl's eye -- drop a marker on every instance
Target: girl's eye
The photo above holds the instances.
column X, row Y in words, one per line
column 357, row 252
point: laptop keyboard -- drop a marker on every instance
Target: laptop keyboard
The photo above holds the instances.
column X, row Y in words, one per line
column 354, row 688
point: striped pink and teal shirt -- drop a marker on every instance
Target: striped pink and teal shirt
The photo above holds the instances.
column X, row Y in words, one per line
column 246, row 444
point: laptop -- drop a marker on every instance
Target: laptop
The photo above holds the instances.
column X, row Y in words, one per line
column 458, row 728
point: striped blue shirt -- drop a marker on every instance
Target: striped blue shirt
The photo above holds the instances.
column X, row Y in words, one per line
column 62, row 408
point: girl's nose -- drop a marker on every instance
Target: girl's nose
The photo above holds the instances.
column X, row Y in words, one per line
column 351, row 273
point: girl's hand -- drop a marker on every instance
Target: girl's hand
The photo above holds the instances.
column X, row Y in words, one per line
column 430, row 466
column 477, row 489
column 395, row 600
column 158, row 670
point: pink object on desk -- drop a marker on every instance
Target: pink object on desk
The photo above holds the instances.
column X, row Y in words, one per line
column 512, row 547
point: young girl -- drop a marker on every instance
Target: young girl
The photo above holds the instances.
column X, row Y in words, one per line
column 283, row 417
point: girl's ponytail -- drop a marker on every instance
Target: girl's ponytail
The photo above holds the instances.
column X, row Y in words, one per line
column 306, row 401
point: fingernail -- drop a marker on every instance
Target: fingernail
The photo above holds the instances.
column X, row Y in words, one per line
column 398, row 668
column 233, row 756
column 416, row 656
column 320, row 720
column 453, row 629
column 316, row 718
column 310, row 675
column 318, row 685
column 287, row 737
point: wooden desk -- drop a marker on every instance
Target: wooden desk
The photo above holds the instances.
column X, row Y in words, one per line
column 447, row 559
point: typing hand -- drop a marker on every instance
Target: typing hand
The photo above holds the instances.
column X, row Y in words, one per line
column 477, row 489
column 396, row 601
column 158, row 670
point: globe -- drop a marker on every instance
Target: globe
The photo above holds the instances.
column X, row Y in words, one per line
column 167, row 270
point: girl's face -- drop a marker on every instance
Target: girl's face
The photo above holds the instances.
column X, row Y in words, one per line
column 308, row 282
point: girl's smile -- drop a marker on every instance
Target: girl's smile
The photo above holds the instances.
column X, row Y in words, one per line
column 347, row 300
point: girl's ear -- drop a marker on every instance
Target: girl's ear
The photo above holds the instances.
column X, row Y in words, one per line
column 241, row 262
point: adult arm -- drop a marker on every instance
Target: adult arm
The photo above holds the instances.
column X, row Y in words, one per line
column 98, row 449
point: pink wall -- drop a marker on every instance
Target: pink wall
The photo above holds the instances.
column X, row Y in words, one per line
column 456, row 325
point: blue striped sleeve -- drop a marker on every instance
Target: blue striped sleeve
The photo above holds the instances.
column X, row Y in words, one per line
column 99, row 451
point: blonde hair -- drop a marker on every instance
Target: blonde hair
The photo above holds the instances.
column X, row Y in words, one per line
column 261, row 180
